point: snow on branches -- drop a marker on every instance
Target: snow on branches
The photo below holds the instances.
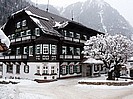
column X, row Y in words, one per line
column 110, row 49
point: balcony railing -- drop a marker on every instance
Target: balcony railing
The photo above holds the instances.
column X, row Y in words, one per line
column 23, row 38
column 14, row 57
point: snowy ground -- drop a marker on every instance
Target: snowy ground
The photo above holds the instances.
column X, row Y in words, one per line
column 64, row 89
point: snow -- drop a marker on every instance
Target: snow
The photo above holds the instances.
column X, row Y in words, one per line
column 37, row 16
column 101, row 17
column 93, row 61
column 4, row 38
column 64, row 89
column 60, row 25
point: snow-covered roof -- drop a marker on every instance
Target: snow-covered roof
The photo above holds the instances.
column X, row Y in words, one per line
column 4, row 38
column 60, row 25
column 93, row 61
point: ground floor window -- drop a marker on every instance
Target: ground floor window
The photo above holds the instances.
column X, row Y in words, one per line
column 9, row 68
column 17, row 69
column 0, row 67
column 45, row 69
column 78, row 68
column 38, row 69
column 71, row 69
column 63, row 69
column 26, row 68
column 52, row 70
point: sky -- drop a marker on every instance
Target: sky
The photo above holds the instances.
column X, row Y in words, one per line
column 124, row 7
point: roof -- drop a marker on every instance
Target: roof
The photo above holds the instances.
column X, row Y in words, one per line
column 92, row 61
column 48, row 21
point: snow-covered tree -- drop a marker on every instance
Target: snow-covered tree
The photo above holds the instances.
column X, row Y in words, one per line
column 112, row 50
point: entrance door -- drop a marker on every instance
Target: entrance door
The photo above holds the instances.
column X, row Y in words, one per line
column 88, row 71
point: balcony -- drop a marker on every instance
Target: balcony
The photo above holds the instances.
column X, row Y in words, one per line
column 23, row 38
column 13, row 57
column 69, row 57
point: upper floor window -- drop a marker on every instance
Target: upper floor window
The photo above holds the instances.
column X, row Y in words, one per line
column 38, row 49
column 65, row 33
column 37, row 31
column 64, row 50
column 85, row 37
column 54, row 49
column 71, row 34
column 18, row 35
column 28, row 32
column 45, row 49
column 77, row 51
column 24, row 23
column 18, row 51
column 25, row 50
column 18, row 24
column 77, row 35
column 23, row 33
column 13, row 36
column 71, row 50
column 30, row 50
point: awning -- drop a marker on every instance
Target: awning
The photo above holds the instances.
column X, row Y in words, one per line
column 92, row 61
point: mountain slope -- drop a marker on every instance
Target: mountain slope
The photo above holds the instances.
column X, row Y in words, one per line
column 98, row 15
column 7, row 7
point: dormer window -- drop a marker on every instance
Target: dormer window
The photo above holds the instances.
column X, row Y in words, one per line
column 85, row 37
column 24, row 23
column 77, row 35
column 18, row 25
column 28, row 32
column 37, row 31
column 23, row 33
column 71, row 34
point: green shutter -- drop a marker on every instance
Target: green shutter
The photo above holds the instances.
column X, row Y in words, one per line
column 75, row 69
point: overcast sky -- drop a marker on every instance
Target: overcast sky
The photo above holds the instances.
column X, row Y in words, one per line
column 125, row 7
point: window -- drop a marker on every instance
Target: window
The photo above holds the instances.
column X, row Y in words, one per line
column 17, row 69
column 37, row 31
column 71, row 50
column 23, row 33
column 64, row 50
column 30, row 50
column 131, row 63
column 38, row 69
column 13, row 36
column 45, row 69
column 54, row 49
column 1, row 67
column 26, row 68
column 52, row 70
column 65, row 33
column 63, row 69
column 18, row 51
column 45, row 49
column 71, row 34
column 18, row 35
column 18, row 25
column 78, row 69
column 71, row 69
column 9, row 68
column 24, row 23
column 77, row 35
column 77, row 51
column 38, row 49
column 85, row 37
column 28, row 32
column 25, row 50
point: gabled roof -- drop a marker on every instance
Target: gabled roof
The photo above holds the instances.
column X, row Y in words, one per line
column 48, row 21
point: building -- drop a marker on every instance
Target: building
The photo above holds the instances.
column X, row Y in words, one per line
column 44, row 46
